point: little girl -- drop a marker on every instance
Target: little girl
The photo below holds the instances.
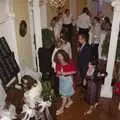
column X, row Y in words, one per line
column 94, row 81
column 65, row 70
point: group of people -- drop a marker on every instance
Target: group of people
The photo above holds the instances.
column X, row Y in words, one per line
column 85, row 23
column 87, row 62
column 65, row 68
column 63, row 23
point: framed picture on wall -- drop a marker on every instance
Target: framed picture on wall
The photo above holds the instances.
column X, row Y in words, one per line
column 23, row 28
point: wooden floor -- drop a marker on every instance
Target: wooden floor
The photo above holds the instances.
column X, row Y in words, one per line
column 107, row 110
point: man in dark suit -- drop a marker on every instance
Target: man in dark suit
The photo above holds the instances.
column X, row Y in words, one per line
column 84, row 54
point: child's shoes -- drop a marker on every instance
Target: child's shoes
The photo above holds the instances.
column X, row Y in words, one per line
column 69, row 104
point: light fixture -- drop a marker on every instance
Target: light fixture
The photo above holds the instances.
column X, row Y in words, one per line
column 56, row 3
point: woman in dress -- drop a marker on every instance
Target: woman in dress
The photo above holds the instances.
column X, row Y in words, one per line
column 106, row 24
column 65, row 69
column 67, row 24
column 57, row 28
column 66, row 46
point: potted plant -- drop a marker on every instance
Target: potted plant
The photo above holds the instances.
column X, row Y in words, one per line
column 48, row 93
column 48, row 38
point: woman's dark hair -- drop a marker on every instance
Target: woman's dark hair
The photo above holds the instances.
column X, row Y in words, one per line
column 67, row 10
column 64, row 54
column 86, row 10
column 63, row 37
column 107, row 20
column 30, row 81
column 97, row 19
column 55, row 18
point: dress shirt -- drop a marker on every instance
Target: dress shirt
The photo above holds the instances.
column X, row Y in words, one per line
column 67, row 19
column 83, row 21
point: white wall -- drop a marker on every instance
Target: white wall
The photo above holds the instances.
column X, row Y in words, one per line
column 3, row 10
column 4, row 31
column 44, row 16
column 6, row 22
column 73, row 7
column 7, row 26
column 23, row 43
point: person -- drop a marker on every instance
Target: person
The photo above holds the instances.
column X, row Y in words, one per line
column 52, row 23
column 94, row 80
column 67, row 24
column 57, row 28
column 58, row 44
column 66, row 46
column 96, row 32
column 106, row 24
column 65, row 69
column 83, row 22
column 63, row 32
column 55, row 80
column 32, row 90
column 60, row 16
column 62, row 44
column 84, row 55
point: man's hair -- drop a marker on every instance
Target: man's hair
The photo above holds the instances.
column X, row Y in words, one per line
column 84, row 36
column 67, row 10
column 85, row 10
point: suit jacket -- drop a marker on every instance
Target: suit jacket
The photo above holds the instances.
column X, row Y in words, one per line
column 84, row 58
